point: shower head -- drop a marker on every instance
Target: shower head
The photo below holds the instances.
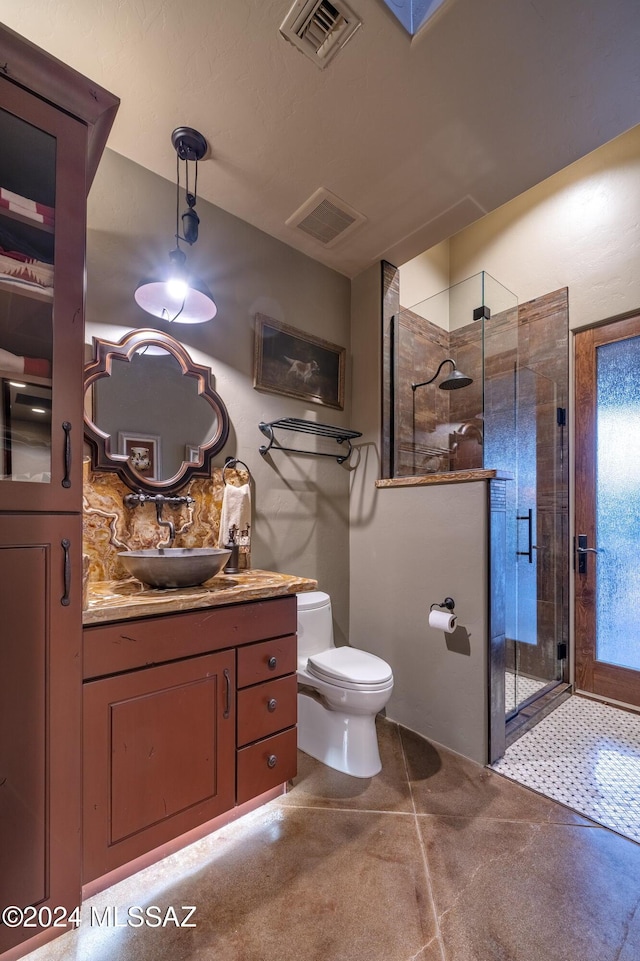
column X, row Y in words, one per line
column 453, row 381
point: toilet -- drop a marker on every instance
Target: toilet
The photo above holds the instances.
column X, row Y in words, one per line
column 340, row 691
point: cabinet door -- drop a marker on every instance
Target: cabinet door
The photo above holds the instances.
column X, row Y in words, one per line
column 159, row 756
column 42, row 252
column 40, row 715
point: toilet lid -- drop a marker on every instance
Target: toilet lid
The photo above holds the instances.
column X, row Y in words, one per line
column 349, row 664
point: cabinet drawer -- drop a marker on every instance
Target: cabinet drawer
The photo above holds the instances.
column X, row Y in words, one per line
column 141, row 642
column 266, row 764
column 267, row 708
column 269, row 659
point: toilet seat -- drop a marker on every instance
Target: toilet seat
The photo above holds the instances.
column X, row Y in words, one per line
column 350, row 668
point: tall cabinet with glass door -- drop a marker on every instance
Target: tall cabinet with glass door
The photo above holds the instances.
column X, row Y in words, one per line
column 53, row 125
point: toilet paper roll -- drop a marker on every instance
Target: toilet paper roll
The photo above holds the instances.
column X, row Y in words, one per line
column 443, row 621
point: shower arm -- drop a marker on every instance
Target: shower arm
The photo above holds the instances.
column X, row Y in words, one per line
column 447, row 360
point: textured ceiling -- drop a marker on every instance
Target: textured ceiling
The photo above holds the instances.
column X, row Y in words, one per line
column 420, row 135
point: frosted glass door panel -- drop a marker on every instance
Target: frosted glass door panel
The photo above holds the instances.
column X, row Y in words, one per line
column 618, row 503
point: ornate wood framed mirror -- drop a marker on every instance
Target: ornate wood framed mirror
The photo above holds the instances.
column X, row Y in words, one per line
column 151, row 413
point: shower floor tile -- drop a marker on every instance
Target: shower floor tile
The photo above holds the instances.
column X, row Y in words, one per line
column 586, row 755
column 518, row 688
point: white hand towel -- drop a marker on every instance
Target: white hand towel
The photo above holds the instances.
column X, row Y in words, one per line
column 236, row 509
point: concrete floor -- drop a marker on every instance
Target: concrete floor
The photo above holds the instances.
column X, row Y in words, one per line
column 435, row 859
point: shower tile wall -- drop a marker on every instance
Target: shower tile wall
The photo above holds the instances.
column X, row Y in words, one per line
column 390, row 285
column 465, row 410
column 422, row 417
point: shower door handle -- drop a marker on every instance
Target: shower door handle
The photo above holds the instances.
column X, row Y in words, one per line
column 582, row 550
column 528, row 517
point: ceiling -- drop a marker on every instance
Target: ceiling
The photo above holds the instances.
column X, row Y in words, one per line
column 422, row 136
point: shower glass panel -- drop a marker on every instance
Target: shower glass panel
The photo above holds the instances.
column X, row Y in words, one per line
column 509, row 418
column 535, row 534
column 433, row 430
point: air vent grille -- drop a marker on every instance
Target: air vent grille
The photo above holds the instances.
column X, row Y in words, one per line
column 325, row 217
column 319, row 28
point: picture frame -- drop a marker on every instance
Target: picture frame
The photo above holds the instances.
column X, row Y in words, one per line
column 132, row 446
column 293, row 363
column 191, row 454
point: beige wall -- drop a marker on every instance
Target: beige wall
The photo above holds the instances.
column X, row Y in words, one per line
column 301, row 503
column 579, row 229
column 429, row 272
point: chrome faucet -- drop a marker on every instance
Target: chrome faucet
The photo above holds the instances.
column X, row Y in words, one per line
column 160, row 502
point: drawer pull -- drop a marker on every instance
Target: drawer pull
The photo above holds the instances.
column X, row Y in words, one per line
column 272, row 705
column 272, row 760
column 272, row 663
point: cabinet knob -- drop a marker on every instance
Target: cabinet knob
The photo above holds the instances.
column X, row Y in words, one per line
column 272, row 760
column 272, row 663
column 272, row 705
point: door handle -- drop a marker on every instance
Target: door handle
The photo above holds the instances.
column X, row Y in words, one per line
column 66, row 480
column 582, row 550
column 528, row 517
column 65, row 543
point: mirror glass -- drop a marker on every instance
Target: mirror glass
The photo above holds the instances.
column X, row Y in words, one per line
column 154, row 416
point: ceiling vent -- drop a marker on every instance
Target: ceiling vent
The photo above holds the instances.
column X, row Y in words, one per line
column 326, row 218
column 319, row 28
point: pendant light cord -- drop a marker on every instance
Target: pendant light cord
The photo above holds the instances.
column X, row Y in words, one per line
column 177, row 199
column 165, row 313
column 191, row 198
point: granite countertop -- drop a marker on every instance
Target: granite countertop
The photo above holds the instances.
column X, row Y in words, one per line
column 123, row 600
column 448, row 477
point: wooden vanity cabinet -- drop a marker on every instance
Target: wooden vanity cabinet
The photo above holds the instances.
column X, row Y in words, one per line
column 53, row 127
column 185, row 716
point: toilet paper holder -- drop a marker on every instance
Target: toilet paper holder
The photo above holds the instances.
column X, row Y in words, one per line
column 448, row 602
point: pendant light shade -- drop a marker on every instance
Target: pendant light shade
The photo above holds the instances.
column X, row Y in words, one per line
column 175, row 294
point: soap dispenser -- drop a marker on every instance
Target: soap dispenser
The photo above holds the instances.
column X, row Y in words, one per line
column 231, row 567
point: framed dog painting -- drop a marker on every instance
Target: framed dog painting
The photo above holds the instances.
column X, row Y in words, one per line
column 290, row 362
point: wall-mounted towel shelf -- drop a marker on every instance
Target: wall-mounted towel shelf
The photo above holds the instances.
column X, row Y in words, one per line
column 339, row 434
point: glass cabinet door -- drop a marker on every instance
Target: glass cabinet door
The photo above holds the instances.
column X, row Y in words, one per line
column 42, row 236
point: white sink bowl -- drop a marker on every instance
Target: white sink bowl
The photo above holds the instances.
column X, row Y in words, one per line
column 171, row 567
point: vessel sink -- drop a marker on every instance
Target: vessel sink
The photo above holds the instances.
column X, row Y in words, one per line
column 170, row 567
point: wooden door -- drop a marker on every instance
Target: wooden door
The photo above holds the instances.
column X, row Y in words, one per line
column 40, row 716
column 159, row 756
column 607, row 518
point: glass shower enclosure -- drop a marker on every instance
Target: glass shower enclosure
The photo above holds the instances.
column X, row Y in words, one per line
column 510, row 418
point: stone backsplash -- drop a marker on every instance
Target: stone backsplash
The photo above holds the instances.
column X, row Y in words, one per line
column 110, row 527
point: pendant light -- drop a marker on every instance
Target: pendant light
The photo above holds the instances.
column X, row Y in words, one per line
column 174, row 293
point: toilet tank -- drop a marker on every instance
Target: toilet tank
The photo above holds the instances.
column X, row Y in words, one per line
column 315, row 623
